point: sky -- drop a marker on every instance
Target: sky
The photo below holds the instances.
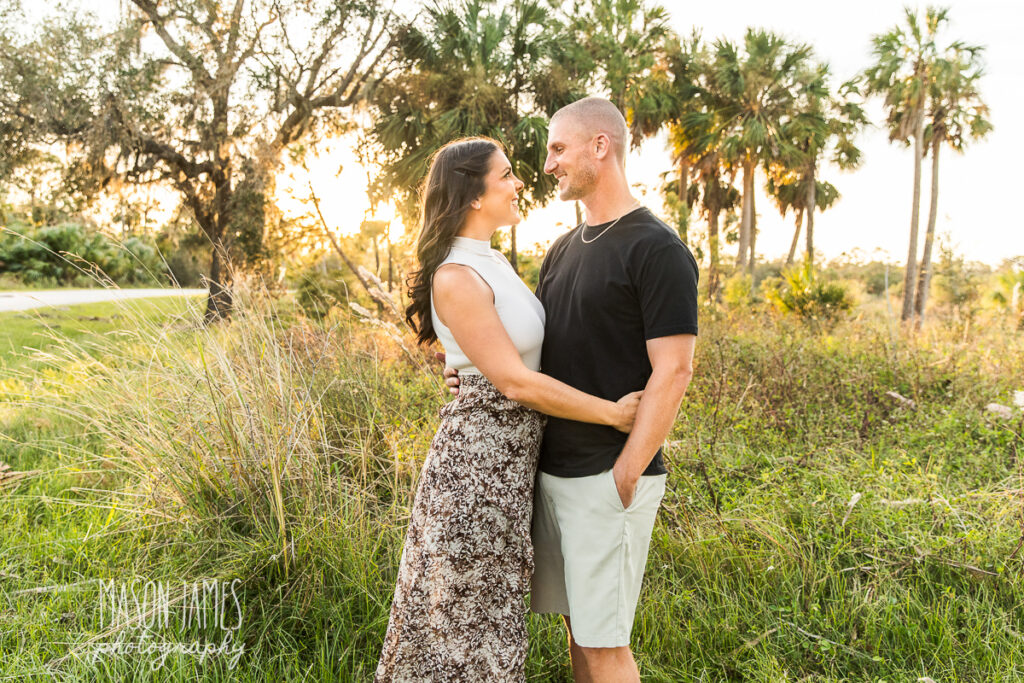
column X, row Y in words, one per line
column 872, row 217
column 874, row 209
column 871, row 220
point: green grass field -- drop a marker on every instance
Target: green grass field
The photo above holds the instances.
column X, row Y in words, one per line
column 814, row 529
column 23, row 333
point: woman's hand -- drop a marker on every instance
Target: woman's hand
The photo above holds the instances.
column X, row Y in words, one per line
column 625, row 411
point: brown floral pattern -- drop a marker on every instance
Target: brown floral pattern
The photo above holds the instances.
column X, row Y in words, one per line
column 458, row 613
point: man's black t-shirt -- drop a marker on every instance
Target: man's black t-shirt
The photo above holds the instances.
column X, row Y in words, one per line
column 603, row 300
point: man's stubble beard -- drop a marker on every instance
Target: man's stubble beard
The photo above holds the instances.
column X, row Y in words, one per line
column 582, row 185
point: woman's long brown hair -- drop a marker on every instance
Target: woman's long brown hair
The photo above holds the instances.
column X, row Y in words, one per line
column 456, row 178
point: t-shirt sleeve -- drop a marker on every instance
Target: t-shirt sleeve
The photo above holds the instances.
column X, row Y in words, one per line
column 667, row 289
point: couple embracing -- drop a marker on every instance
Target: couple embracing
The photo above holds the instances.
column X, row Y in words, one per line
column 581, row 382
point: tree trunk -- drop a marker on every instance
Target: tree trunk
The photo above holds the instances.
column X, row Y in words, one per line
column 713, row 210
column 753, row 234
column 796, row 237
column 515, row 258
column 390, row 271
column 214, row 223
column 745, row 220
column 925, row 277
column 218, row 303
column 145, row 210
column 812, row 204
column 684, row 178
column 579, row 213
column 910, row 276
column 684, row 193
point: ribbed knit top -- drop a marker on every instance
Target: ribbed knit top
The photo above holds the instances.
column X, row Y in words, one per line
column 519, row 310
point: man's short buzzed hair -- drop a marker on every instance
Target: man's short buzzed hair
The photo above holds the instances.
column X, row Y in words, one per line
column 598, row 115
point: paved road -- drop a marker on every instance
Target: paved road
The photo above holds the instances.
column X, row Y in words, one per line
column 24, row 300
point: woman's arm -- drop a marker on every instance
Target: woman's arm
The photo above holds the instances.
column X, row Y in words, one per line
column 465, row 304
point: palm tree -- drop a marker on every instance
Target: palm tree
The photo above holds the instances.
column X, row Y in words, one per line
column 820, row 122
column 620, row 42
column 903, row 73
column 697, row 138
column 472, row 68
column 681, row 92
column 715, row 190
column 613, row 46
column 956, row 114
column 668, row 93
column 755, row 92
column 791, row 190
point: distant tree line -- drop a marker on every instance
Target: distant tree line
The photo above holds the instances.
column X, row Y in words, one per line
column 210, row 97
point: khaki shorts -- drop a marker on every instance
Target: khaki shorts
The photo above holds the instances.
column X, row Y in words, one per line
column 590, row 553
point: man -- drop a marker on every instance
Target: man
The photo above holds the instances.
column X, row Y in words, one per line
column 620, row 295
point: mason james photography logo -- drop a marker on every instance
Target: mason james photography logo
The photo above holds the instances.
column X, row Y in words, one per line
column 143, row 615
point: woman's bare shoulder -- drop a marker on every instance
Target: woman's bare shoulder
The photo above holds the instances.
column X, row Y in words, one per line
column 456, row 281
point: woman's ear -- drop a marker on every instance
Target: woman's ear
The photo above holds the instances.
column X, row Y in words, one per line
column 475, row 203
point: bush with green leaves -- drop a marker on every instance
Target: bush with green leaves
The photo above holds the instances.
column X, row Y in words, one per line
column 76, row 254
column 879, row 277
column 802, row 292
column 738, row 290
column 1009, row 294
column 318, row 293
column 957, row 284
column 186, row 256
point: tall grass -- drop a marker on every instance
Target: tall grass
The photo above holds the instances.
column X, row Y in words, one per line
column 270, row 445
column 814, row 528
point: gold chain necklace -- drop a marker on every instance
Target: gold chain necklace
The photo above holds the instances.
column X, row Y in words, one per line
column 586, row 225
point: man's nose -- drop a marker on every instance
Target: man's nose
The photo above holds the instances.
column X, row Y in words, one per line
column 549, row 165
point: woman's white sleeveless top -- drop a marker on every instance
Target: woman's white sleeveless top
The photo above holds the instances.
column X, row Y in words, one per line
column 519, row 310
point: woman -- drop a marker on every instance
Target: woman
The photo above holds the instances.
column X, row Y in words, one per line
column 458, row 611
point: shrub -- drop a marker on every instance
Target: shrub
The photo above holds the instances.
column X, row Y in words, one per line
column 801, row 292
column 1009, row 294
column 186, row 257
column 529, row 267
column 318, row 293
column 875, row 277
column 957, row 285
column 738, row 291
column 66, row 254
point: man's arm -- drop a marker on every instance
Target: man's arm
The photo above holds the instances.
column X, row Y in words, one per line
column 465, row 303
column 672, row 367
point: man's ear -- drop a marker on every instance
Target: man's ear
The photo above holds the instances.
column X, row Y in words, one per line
column 602, row 145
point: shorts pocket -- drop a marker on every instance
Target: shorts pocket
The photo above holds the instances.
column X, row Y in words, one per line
column 615, row 493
